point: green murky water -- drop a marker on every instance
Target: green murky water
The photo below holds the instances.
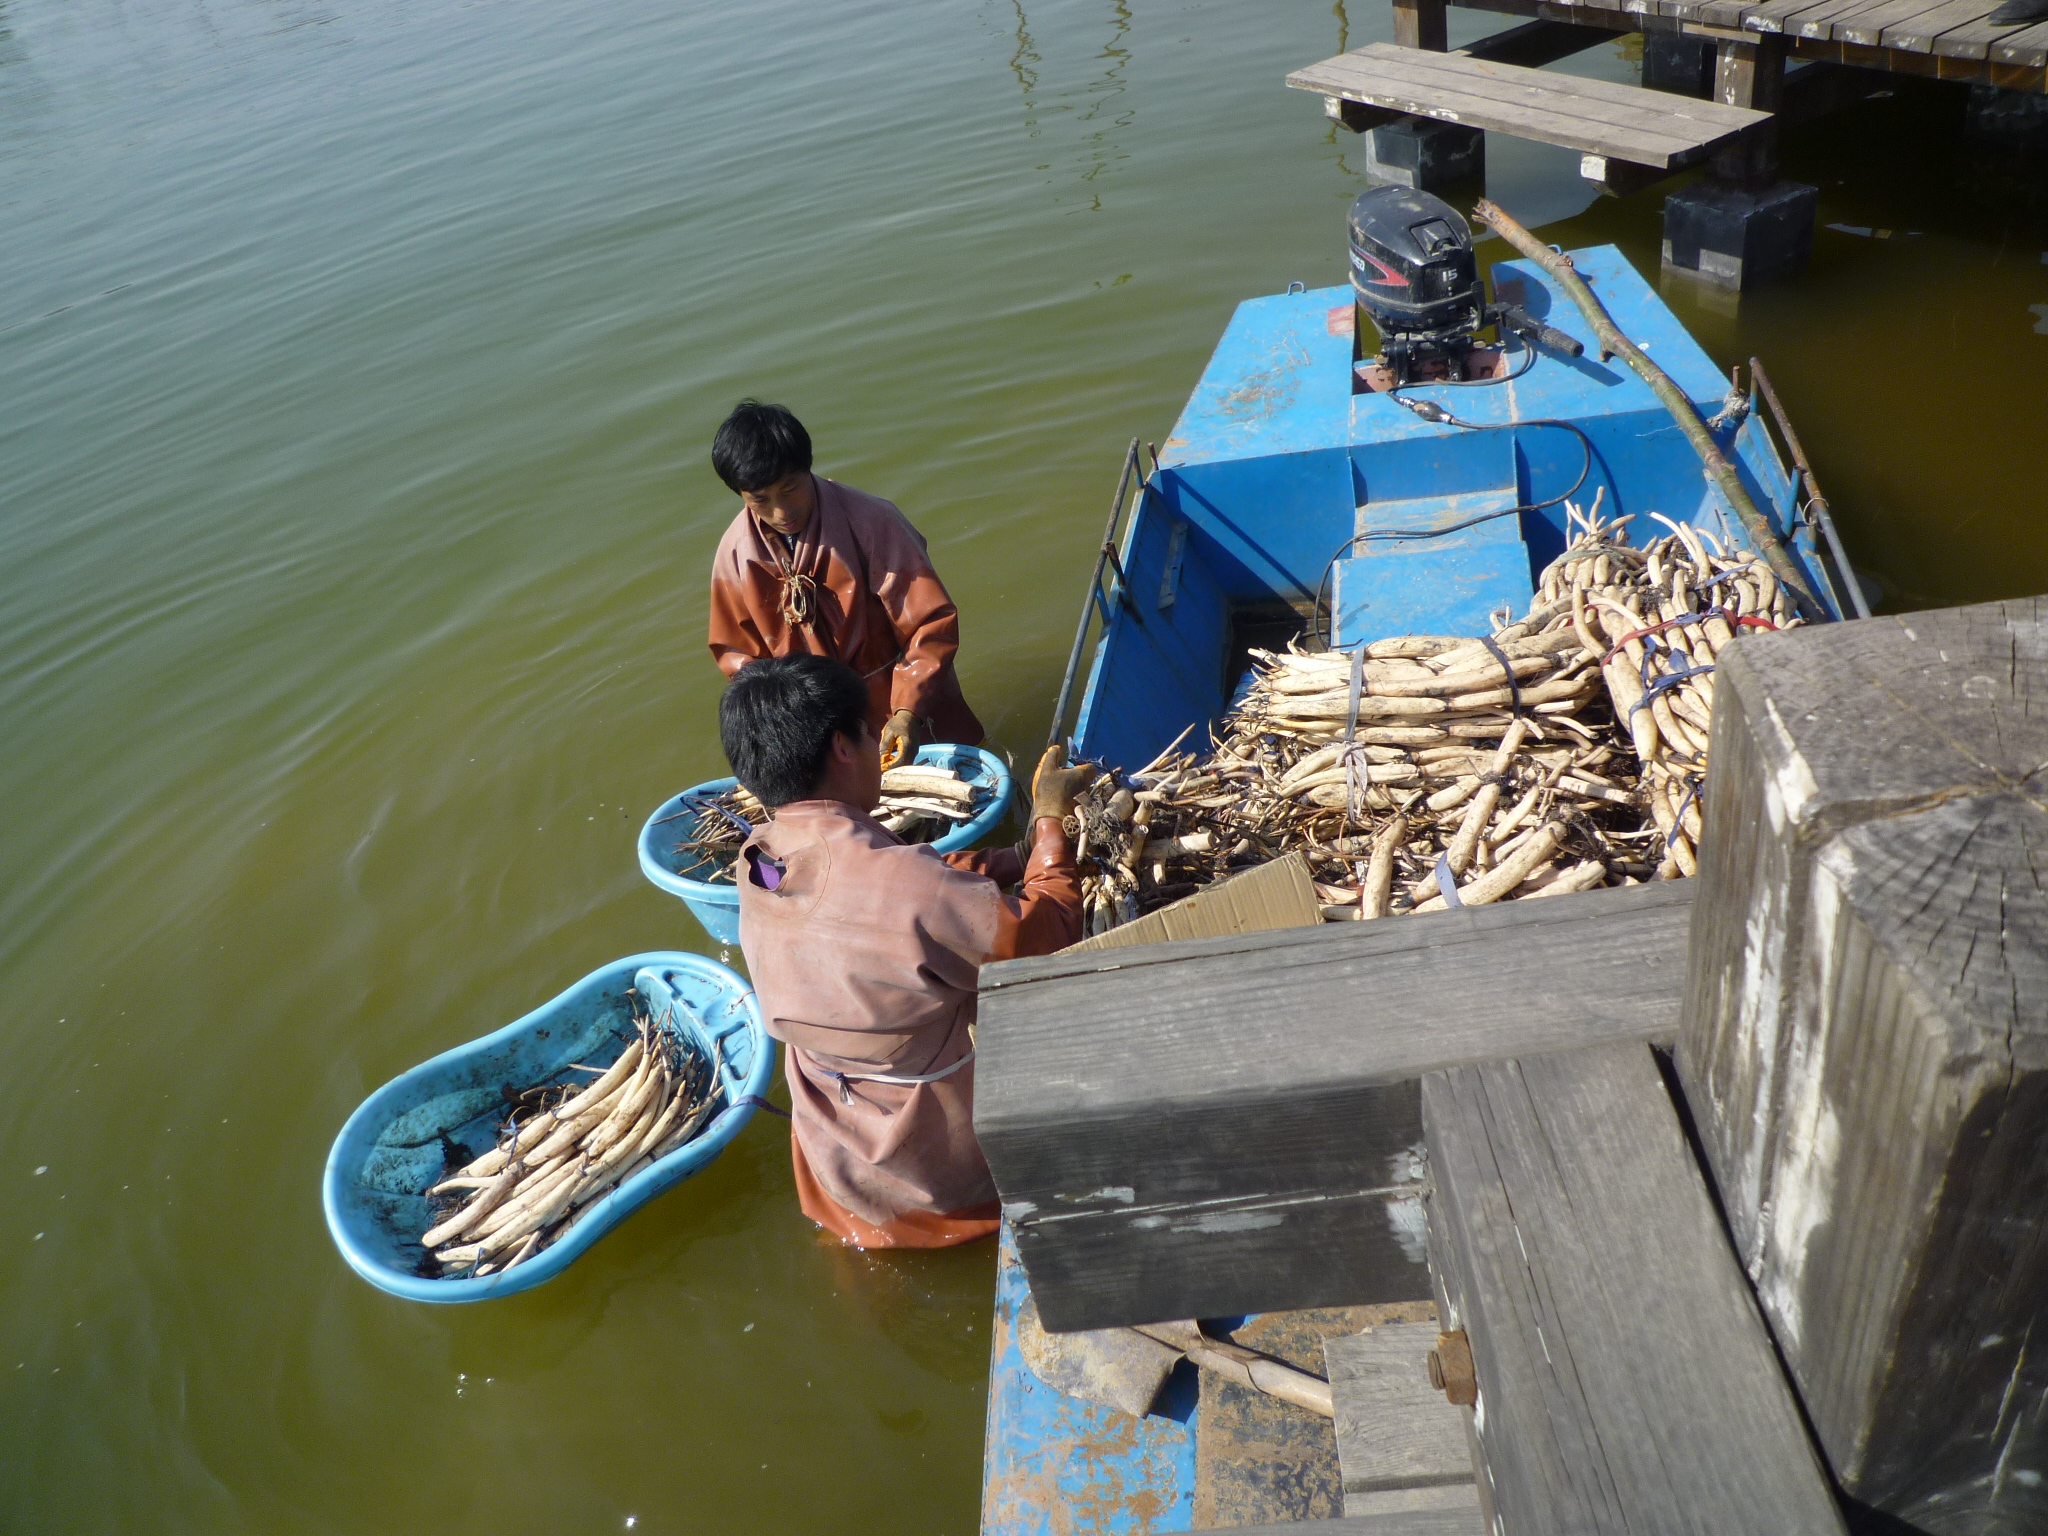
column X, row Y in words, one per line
column 357, row 364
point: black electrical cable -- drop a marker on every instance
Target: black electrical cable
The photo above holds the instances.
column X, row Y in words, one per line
column 1429, row 410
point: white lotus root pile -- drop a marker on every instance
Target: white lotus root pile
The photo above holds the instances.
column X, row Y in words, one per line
column 1585, row 772
column 565, row 1147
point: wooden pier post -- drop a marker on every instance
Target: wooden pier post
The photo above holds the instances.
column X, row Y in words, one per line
column 1865, row 1049
column 1625, row 1381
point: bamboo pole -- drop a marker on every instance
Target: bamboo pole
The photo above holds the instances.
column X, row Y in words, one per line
column 1615, row 344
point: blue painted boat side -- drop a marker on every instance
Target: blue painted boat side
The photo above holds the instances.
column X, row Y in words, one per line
column 392, row 1148
column 1055, row 1465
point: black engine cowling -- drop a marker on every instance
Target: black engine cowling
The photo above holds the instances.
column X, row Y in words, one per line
column 1412, row 267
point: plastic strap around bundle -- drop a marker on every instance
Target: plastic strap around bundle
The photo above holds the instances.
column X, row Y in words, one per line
column 1514, row 688
column 1692, row 793
column 1447, row 882
column 1664, row 683
column 1357, row 691
column 760, row 1103
column 1733, row 620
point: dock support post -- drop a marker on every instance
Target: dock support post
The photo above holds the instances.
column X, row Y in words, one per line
column 1865, row 1049
column 1679, row 64
column 1420, row 152
column 1739, row 223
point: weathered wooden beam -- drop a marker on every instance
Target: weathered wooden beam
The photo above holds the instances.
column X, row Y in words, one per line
column 1626, row 1383
column 1358, row 117
column 1222, row 1126
column 1866, row 1046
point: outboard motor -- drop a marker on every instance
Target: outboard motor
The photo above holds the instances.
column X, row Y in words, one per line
column 1415, row 276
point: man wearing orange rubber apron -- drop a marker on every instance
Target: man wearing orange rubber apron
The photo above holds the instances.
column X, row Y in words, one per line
column 864, row 951
column 810, row 565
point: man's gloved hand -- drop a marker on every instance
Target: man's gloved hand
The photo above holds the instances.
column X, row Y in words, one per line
column 899, row 739
column 1055, row 787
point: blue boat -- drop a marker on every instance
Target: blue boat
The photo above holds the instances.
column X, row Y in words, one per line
column 445, row 1112
column 1246, row 534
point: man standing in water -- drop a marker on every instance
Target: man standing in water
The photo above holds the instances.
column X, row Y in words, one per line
column 865, row 950
column 814, row 567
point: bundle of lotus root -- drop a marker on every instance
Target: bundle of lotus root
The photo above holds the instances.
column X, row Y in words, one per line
column 1425, row 771
column 566, row 1146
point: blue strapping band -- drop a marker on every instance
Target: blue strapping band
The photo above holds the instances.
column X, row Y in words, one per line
column 760, row 1103
column 1692, row 793
column 1447, row 882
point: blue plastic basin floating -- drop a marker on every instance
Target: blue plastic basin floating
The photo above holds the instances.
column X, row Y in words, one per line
column 392, row 1148
column 717, row 906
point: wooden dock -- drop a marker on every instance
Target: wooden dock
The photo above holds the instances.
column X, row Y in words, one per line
column 1784, row 1278
column 1773, row 62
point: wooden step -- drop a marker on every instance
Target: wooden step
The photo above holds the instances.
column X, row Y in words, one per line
column 1625, row 1380
column 1620, row 122
column 1402, row 1446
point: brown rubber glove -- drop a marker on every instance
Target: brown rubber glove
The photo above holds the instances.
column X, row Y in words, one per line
column 1055, row 787
column 899, row 739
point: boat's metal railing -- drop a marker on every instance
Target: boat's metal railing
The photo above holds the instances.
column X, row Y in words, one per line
column 1098, row 601
column 1809, row 503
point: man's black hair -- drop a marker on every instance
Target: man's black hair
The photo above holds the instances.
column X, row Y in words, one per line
column 777, row 719
column 758, row 444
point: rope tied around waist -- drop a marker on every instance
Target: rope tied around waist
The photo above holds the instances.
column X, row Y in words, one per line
column 905, row 1080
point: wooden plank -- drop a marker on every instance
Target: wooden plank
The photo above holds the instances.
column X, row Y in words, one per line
column 1596, row 116
column 1223, row 1126
column 1602, row 100
column 1817, row 21
column 1400, row 1443
column 1973, row 39
column 1867, row 1041
column 1872, row 26
column 1774, row 15
column 1919, row 34
column 1549, row 115
column 1626, row 1383
column 2017, row 58
column 2028, row 47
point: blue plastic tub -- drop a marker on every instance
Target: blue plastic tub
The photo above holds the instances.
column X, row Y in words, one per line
column 392, row 1148
column 717, row 906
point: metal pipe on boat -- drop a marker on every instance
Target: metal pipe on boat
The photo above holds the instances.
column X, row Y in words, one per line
column 1613, row 343
column 1816, row 503
column 1116, row 512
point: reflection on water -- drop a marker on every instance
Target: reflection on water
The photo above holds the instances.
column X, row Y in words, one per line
column 358, row 361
